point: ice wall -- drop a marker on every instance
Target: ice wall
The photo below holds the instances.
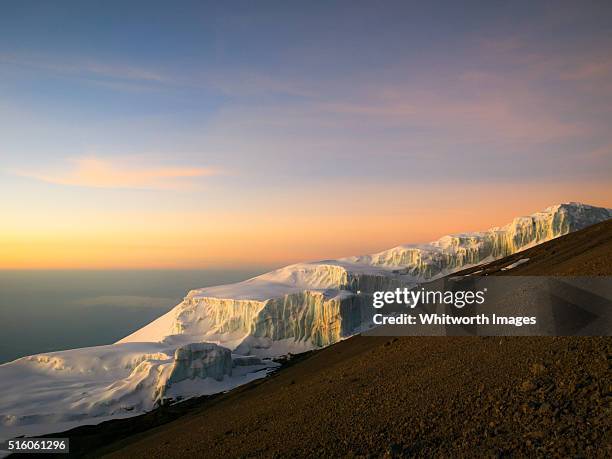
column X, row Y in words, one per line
column 314, row 303
column 318, row 304
column 452, row 253
column 200, row 360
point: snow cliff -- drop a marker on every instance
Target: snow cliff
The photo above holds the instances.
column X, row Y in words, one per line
column 316, row 304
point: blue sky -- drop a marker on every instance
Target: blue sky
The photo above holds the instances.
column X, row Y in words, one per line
column 120, row 119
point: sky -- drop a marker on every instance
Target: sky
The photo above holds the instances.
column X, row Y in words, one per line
column 237, row 134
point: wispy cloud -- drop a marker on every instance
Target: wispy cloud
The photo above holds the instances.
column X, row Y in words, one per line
column 128, row 77
column 531, row 62
column 494, row 115
column 87, row 68
column 594, row 68
column 251, row 83
column 104, row 173
column 506, row 118
column 601, row 154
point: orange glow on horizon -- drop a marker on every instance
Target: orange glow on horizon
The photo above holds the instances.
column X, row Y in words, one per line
column 189, row 240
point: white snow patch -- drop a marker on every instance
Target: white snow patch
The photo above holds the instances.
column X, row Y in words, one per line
column 515, row 264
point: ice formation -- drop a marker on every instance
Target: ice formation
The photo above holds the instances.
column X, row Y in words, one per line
column 220, row 337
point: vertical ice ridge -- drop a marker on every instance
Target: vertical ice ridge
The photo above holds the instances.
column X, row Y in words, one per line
column 451, row 253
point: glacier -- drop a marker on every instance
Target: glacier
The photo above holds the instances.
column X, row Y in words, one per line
column 221, row 337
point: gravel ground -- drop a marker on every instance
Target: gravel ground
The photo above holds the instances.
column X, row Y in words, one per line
column 412, row 396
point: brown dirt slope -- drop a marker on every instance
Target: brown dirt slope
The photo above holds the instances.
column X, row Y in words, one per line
column 416, row 396
column 412, row 396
